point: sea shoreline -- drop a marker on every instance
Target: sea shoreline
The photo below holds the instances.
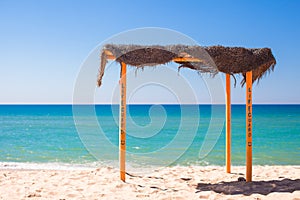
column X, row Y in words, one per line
column 95, row 165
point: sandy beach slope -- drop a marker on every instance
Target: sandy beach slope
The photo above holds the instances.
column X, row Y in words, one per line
column 195, row 182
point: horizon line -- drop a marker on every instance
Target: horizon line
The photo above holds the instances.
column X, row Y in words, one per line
column 32, row 104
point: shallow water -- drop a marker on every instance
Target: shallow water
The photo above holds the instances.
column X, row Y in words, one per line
column 156, row 135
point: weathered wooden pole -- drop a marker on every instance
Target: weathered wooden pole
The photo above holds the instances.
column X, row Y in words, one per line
column 122, row 122
column 249, row 126
column 228, row 125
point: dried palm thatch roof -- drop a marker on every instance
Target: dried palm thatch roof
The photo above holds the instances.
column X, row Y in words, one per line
column 213, row 59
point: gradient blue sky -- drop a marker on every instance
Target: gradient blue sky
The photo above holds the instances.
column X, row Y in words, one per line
column 43, row 43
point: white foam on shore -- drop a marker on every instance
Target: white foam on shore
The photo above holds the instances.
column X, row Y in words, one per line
column 47, row 166
column 130, row 167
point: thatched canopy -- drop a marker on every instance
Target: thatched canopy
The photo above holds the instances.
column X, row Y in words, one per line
column 213, row 59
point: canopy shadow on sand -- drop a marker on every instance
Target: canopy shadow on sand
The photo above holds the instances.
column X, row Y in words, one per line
column 248, row 188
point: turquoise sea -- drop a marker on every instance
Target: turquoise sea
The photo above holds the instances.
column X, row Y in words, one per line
column 48, row 134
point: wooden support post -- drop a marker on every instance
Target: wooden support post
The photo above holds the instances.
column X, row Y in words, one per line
column 228, row 125
column 249, row 126
column 122, row 122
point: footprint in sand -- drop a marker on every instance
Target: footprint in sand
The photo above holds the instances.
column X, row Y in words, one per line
column 142, row 195
column 34, row 195
column 52, row 193
column 91, row 183
column 71, row 195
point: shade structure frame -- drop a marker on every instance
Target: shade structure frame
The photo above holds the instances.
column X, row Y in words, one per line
column 228, row 124
column 249, row 82
column 122, row 123
column 249, row 126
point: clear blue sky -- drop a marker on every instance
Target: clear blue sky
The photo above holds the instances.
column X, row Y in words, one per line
column 43, row 43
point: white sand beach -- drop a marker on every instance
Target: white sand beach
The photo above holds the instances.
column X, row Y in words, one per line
column 195, row 182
